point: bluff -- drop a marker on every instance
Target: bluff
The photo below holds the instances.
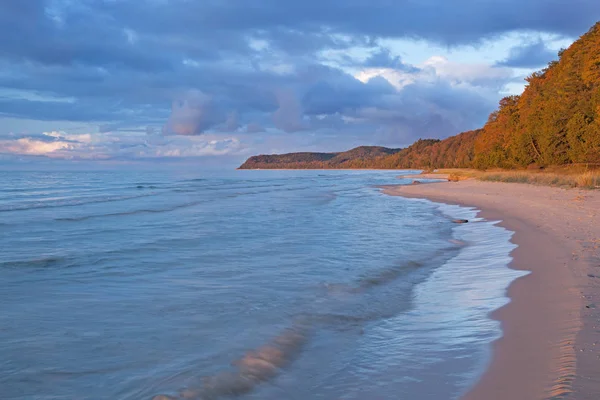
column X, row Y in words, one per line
column 360, row 157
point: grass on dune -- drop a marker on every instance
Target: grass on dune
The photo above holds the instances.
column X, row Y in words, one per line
column 573, row 176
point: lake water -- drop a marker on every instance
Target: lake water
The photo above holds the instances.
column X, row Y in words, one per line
column 248, row 284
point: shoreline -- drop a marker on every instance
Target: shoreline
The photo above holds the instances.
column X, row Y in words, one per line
column 549, row 346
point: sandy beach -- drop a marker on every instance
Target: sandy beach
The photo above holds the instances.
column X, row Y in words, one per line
column 550, row 346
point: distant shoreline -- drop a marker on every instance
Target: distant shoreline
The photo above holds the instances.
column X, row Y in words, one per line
column 549, row 328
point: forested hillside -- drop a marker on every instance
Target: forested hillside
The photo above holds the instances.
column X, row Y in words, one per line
column 555, row 121
column 557, row 118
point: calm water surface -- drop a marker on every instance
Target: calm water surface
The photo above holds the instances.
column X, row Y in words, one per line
column 248, row 284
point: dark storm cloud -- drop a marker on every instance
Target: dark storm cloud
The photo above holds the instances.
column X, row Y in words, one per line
column 124, row 62
column 531, row 55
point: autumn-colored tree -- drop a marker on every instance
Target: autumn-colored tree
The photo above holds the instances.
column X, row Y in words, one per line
column 556, row 119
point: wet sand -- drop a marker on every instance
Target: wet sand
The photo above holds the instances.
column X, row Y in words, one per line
column 550, row 346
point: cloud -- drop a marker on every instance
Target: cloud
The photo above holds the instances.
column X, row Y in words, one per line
column 197, row 68
column 51, row 144
column 232, row 123
column 190, row 114
column 103, row 146
column 196, row 148
column 288, row 116
column 76, row 138
column 473, row 74
column 309, row 24
column 437, row 99
column 27, row 146
column 254, row 127
column 382, row 58
column 529, row 55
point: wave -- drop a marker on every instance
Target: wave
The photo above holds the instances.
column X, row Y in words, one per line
column 221, row 187
column 255, row 367
column 387, row 275
column 266, row 362
column 133, row 212
column 44, row 262
column 15, row 190
column 185, row 190
column 193, row 180
column 33, row 196
column 71, row 203
column 154, row 211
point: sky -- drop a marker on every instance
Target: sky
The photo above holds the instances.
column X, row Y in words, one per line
column 214, row 82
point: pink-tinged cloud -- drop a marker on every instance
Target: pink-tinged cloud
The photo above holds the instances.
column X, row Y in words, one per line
column 109, row 146
column 189, row 114
column 32, row 147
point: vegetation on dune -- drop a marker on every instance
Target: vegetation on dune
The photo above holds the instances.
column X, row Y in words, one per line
column 556, row 121
column 566, row 176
